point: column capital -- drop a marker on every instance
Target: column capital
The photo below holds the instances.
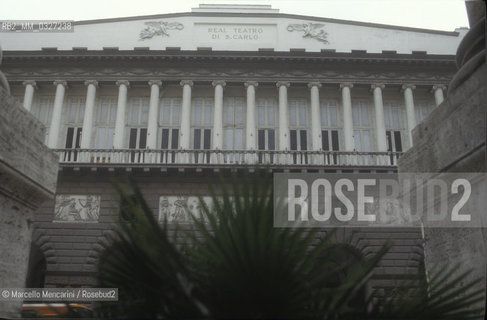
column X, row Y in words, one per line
column 279, row 84
column 251, row 83
column 60, row 82
column 377, row 85
column 314, row 84
column 93, row 82
column 407, row 86
column 122, row 82
column 219, row 82
column 346, row 85
column 29, row 82
column 438, row 86
column 155, row 82
column 186, row 82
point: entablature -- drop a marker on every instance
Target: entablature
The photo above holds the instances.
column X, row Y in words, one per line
column 300, row 67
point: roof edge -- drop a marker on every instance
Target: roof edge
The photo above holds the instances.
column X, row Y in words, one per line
column 267, row 15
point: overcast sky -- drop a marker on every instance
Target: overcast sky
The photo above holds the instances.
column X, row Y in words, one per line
column 430, row 14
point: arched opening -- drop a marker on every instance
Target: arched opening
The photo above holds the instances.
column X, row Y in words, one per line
column 342, row 260
column 37, row 268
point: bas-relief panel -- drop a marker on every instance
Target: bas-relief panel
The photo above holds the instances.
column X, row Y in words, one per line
column 76, row 208
column 180, row 208
column 159, row 28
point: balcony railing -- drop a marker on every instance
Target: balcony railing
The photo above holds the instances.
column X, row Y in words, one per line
column 225, row 157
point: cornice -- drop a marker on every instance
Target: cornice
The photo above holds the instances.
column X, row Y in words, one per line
column 237, row 67
column 200, row 55
column 323, row 78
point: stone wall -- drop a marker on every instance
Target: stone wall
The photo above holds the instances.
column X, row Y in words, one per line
column 28, row 174
column 452, row 139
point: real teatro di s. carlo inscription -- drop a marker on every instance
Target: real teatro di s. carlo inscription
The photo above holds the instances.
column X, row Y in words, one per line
column 263, row 35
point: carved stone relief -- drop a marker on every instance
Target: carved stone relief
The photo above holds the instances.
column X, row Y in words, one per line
column 158, row 28
column 76, row 208
column 311, row 30
column 181, row 208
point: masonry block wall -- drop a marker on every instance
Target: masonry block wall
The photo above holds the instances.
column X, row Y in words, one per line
column 72, row 248
column 452, row 139
column 28, row 173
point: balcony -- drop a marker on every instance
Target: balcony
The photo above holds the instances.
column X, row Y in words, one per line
column 225, row 158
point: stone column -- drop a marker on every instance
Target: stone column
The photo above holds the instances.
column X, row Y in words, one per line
column 284, row 141
column 88, row 118
column 28, row 172
column 251, row 140
column 410, row 115
column 218, row 115
column 438, row 90
column 379, row 118
column 315, row 115
column 118, row 138
column 153, row 114
column 30, row 86
column 347, row 116
column 56, row 114
column 185, row 114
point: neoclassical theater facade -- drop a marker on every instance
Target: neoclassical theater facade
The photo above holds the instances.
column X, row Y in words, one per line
column 176, row 100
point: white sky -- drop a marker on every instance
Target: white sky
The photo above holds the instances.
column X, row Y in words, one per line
column 430, row 14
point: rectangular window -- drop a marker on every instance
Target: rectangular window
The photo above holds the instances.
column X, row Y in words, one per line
column 202, row 141
column 266, row 128
column 201, row 123
column 170, row 122
column 165, row 139
column 138, row 138
column 139, row 111
column 298, row 113
column 73, row 138
column 106, row 114
column 107, row 111
column 73, row 141
column 299, row 141
column 43, row 112
column 76, row 108
column 362, row 140
column 329, row 125
column 170, row 112
column 170, row 140
column 298, row 123
column 329, row 140
column 104, row 137
column 422, row 110
column 266, row 140
column 394, row 118
column 362, row 125
column 234, row 124
column 329, row 113
column 394, row 141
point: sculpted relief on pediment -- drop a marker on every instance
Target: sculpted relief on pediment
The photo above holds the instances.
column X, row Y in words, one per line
column 158, row 28
column 311, row 30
